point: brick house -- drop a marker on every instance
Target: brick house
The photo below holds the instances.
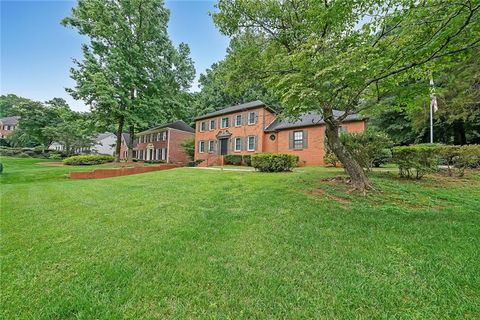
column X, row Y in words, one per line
column 164, row 143
column 254, row 127
column 8, row 125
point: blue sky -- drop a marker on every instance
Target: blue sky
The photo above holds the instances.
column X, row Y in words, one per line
column 37, row 52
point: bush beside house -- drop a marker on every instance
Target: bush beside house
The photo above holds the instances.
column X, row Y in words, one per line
column 274, row 162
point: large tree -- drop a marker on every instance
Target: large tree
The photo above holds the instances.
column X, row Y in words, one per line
column 131, row 71
column 325, row 55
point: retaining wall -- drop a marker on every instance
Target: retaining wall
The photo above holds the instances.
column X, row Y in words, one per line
column 117, row 172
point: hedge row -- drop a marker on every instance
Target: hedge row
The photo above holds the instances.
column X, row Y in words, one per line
column 274, row 162
column 31, row 153
column 237, row 160
column 416, row 160
column 88, row 160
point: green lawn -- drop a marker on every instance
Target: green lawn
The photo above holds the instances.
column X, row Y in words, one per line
column 190, row 243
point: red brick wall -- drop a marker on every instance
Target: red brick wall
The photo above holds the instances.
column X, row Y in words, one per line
column 313, row 154
column 265, row 117
column 176, row 154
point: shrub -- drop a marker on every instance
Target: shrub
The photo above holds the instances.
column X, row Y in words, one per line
column 189, row 148
column 194, row 163
column 1, row 167
column 233, row 159
column 88, row 160
column 384, row 156
column 154, row 161
column 55, row 156
column 274, row 162
column 416, row 160
column 330, row 158
column 366, row 146
column 247, row 160
column 460, row 158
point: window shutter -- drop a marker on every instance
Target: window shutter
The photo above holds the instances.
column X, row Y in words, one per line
column 256, row 120
column 256, row 142
column 290, row 140
column 305, row 139
column 241, row 144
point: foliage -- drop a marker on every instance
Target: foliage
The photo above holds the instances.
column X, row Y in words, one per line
column 29, row 152
column 247, row 159
column 9, row 102
column 416, row 160
column 343, row 54
column 1, row 167
column 274, row 162
column 55, row 156
column 189, row 147
column 154, row 161
column 130, row 71
column 329, row 157
column 4, row 142
column 366, row 146
column 460, row 157
column 383, row 156
column 233, row 159
column 88, row 160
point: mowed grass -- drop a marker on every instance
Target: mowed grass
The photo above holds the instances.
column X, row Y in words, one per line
column 191, row 243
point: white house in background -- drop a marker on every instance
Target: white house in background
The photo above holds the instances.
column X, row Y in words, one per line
column 57, row 146
column 104, row 143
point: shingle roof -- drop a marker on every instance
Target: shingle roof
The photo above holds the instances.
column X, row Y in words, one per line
column 103, row 135
column 10, row 121
column 236, row 108
column 126, row 137
column 179, row 125
column 306, row 120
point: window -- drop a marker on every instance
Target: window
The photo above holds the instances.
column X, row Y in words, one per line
column 238, row 120
column 252, row 117
column 251, row 143
column 201, row 146
column 298, row 140
column 211, row 146
column 273, row 137
column 164, row 154
column 203, row 126
column 238, row 144
column 159, row 135
column 225, row 123
column 213, row 124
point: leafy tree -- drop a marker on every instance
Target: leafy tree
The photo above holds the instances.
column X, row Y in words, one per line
column 8, row 102
column 130, row 70
column 347, row 55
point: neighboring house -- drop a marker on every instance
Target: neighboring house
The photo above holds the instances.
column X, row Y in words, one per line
column 164, row 143
column 57, row 146
column 104, row 143
column 254, row 127
column 124, row 146
column 8, row 125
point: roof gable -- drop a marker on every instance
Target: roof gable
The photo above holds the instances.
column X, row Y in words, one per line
column 178, row 125
column 236, row 108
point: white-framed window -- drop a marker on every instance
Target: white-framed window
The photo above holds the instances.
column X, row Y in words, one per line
column 159, row 135
column 203, row 126
column 252, row 117
column 201, row 146
column 251, row 143
column 211, row 146
column 164, row 154
column 225, row 123
column 237, row 144
column 212, row 125
column 298, row 140
column 238, row 120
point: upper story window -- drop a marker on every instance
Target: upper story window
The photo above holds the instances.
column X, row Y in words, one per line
column 252, row 117
column 298, row 139
column 225, row 123
column 201, row 146
column 238, row 120
column 203, row 126
column 237, row 144
column 212, row 125
column 159, row 135
column 251, row 143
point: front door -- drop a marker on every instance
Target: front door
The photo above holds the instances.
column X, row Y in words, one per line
column 223, row 146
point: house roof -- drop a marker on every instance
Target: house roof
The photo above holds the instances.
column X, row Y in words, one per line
column 306, row 120
column 179, row 125
column 236, row 108
column 103, row 135
column 126, row 138
column 10, row 121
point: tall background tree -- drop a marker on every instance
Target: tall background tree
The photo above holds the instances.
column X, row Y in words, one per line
column 324, row 55
column 131, row 72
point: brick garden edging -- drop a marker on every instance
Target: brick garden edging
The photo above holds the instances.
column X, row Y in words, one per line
column 117, row 172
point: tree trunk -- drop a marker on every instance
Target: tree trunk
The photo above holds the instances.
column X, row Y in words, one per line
column 459, row 136
column 118, row 145
column 131, row 130
column 358, row 177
